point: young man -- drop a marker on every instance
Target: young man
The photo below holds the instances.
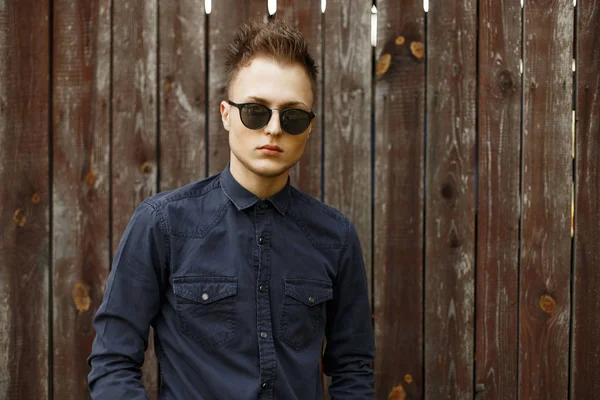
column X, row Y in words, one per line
column 241, row 275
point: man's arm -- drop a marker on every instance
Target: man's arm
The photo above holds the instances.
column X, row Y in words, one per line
column 131, row 300
column 350, row 342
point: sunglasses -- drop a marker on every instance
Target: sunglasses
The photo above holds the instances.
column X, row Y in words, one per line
column 256, row 116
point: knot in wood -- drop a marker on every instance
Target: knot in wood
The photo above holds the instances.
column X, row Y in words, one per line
column 19, row 217
column 547, row 304
column 417, row 49
column 146, row 168
column 397, row 393
column 506, row 81
column 408, row 378
column 383, row 64
column 399, row 40
column 447, row 191
column 90, row 178
column 81, row 296
column 35, row 199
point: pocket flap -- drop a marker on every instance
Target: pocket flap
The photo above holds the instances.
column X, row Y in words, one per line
column 309, row 292
column 205, row 290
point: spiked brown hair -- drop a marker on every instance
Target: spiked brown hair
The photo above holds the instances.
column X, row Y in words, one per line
column 277, row 39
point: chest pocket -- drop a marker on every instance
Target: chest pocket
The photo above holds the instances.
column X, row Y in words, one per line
column 303, row 311
column 205, row 308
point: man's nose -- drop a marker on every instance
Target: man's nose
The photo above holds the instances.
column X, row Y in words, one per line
column 274, row 126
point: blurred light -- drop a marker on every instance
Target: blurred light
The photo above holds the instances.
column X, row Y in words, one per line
column 323, row 5
column 574, row 66
column 521, row 66
column 208, row 6
column 426, row 5
column 522, row 1
column 373, row 26
column 272, row 5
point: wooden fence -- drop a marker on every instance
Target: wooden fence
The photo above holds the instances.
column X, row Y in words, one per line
column 449, row 145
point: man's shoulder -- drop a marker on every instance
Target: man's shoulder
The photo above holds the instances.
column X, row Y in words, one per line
column 190, row 191
column 324, row 219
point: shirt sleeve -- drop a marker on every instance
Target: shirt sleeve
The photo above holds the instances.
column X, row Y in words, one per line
column 131, row 300
column 350, row 349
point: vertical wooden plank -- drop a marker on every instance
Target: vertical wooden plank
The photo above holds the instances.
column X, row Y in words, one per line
column 347, row 103
column 307, row 17
column 347, row 100
column 80, row 191
column 183, row 92
column 499, row 130
column 223, row 24
column 546, row 219
column 24, row 199
column 399, row 165
column 450, row 200
column 585, row 350
column 134, row 167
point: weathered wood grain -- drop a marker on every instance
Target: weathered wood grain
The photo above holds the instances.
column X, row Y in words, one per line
column 307, row 16
column 347, row 109
column 585, row 348
column 134, row 147
column 450, row 200
column 546, row 189
column 24, row 199
column 80, row 195
column 182, row 92
column 399, row 167
column 500, row 94
column 223, row 23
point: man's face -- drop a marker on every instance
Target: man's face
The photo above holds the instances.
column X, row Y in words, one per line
column 274, row 85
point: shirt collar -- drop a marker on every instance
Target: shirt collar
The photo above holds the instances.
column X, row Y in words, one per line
column 243, row 198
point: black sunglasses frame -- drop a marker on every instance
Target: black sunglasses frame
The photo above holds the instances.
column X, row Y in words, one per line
column 240, row 106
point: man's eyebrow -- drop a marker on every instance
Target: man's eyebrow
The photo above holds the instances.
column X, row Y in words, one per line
column 284, row 105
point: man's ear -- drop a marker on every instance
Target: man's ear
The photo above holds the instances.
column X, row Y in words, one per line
column 225, row 109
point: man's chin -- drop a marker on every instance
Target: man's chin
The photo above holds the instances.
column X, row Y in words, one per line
column 268, row 169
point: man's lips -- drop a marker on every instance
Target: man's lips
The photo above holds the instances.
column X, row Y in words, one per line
column 271, row 147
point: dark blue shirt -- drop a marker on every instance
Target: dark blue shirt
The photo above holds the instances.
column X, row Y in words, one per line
column 240, row 293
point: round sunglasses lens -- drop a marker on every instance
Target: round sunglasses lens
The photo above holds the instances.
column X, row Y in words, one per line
column 295, row 121
column 255, row 116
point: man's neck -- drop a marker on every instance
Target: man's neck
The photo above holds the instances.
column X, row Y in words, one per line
column 262, row 187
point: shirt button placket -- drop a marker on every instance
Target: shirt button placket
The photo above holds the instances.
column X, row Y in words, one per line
column 266, row 346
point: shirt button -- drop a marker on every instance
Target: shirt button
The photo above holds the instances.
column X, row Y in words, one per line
column 261, row 240
column 262, row 288
column 263, row 335
column 264, row 385
column 311, row 299
column 204, row 296
column 262, row 204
